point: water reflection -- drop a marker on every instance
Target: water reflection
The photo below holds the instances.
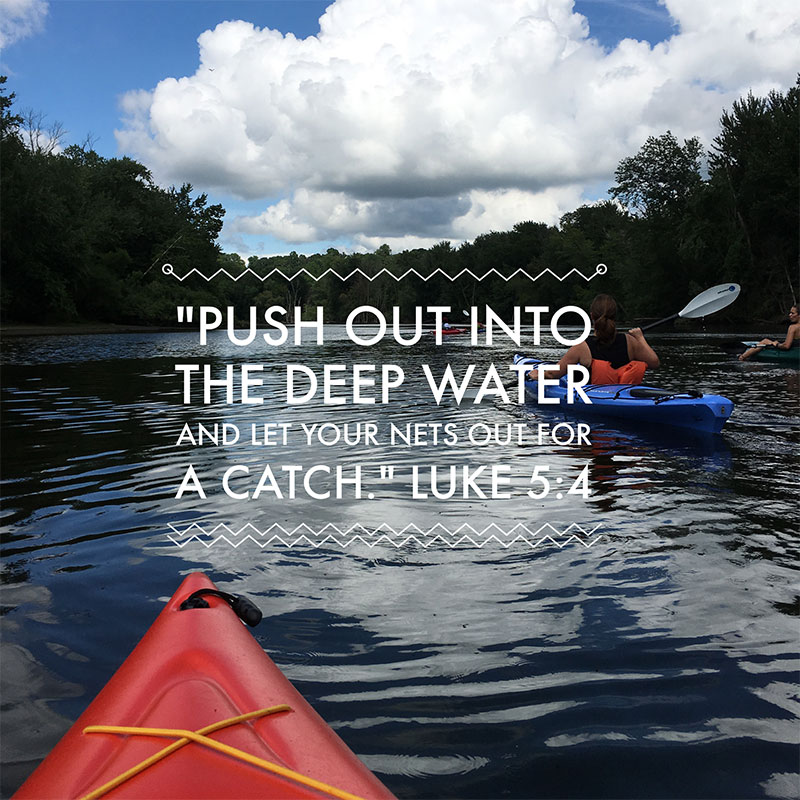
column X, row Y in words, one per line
column 660, row 661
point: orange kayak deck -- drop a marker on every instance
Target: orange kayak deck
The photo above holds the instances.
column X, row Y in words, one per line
column 193, row 668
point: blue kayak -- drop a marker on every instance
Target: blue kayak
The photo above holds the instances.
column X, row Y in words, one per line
column 638, row 404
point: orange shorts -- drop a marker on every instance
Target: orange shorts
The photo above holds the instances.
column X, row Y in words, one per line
column 632, row 372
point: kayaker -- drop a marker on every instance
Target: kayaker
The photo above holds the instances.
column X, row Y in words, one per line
column 792, row 337
column 612, row 357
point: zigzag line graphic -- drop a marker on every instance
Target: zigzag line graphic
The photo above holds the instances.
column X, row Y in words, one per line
column 168, row 269
column 410, row 534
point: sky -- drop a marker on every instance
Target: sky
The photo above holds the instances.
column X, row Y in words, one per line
column 355, row 123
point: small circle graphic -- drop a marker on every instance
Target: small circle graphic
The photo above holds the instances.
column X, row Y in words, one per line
column 371, row 496
column 167, row 269
column 559, row 496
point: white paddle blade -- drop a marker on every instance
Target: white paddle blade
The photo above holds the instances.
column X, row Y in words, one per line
column 711, row 300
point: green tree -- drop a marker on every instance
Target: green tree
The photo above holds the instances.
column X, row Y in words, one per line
column 754, row 170
column 81, row 234
column 657, row 187
column 660, row 178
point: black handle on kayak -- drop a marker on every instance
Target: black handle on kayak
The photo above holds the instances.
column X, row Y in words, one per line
column 660, row 395
column 247, row 611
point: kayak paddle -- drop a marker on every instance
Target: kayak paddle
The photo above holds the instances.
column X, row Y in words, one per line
column 708, row 302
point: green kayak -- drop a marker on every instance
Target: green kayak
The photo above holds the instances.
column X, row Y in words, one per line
column 789, row 358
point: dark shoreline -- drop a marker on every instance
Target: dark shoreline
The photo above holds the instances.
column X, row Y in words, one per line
column 81, row 329
column 94, row 328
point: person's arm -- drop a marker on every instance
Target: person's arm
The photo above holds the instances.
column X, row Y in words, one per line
column 791, row 334
column 577, row 354
column 641, row 351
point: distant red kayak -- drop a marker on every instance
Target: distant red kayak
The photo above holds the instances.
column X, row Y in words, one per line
column 452, row 331
column 194, row 669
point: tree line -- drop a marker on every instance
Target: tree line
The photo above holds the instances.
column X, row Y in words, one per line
column 84, row 237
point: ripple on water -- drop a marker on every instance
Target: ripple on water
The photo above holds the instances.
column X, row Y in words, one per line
column 660, row 661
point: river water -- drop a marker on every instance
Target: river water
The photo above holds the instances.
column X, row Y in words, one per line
column 638, row 642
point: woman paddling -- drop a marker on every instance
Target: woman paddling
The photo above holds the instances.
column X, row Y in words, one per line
column 612, row 357
column 792, row 337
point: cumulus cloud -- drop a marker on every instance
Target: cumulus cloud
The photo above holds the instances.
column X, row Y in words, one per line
column 443, row 120
column 20, row 18
column 405, row 222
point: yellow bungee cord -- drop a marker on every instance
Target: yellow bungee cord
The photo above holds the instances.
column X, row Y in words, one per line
column 184, row 737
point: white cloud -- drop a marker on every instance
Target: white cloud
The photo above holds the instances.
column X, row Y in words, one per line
column 20, row 18
column 405, row 222
column 332, row 214
column 442, row 120
column 501, row 209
